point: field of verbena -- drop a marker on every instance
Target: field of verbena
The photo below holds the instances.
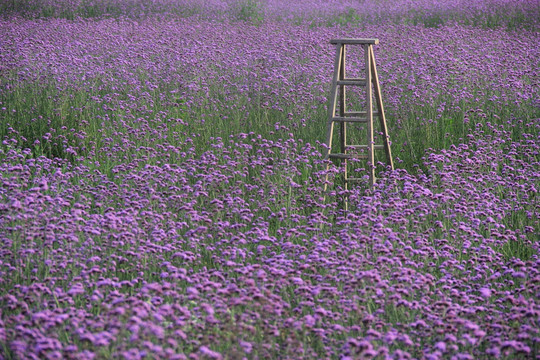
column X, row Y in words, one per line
column 162, row 182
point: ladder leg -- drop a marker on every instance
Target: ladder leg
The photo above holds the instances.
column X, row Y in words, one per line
column 343, row 127
column 369, row 111
column 380, row 107
column 333, row 100
column 332, row 107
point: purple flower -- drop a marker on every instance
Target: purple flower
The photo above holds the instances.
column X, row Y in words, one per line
column 76, row 289
column 441, row 346
column 210, row 353
column 485, row 292
column 247, row 346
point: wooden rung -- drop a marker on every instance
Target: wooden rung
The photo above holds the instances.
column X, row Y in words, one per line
column 355, row 41
column 357, row 82
column 354, row 179
column 350, row 119
column 347, row 156
column 360, row 147
column 359, row 113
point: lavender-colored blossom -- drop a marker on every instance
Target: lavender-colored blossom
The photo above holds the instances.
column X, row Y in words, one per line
column 156, row 233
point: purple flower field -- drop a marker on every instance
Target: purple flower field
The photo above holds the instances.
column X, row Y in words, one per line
column 162, row 182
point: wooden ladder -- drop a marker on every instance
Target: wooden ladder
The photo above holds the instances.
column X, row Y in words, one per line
column 364, row 117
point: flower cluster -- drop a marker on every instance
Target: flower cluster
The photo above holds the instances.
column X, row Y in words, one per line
column 162, row 189
column 483, row 13
column 95, row 81
column 216, row 257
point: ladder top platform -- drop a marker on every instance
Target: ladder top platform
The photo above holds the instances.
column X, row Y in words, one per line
column 355, row 41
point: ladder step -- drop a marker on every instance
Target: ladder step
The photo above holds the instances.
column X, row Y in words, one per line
column 357, row 82
column 364, row 147
column 350, row 119
column 355, row 41
column 354, row 179
column 348, row 156
column 359, row 113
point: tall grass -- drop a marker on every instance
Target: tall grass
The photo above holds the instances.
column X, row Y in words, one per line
column 75, row 122
column 95, row 128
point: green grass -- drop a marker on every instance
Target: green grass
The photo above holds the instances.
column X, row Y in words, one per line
column 251, row 11
column 74, row 121
column 67, row 122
